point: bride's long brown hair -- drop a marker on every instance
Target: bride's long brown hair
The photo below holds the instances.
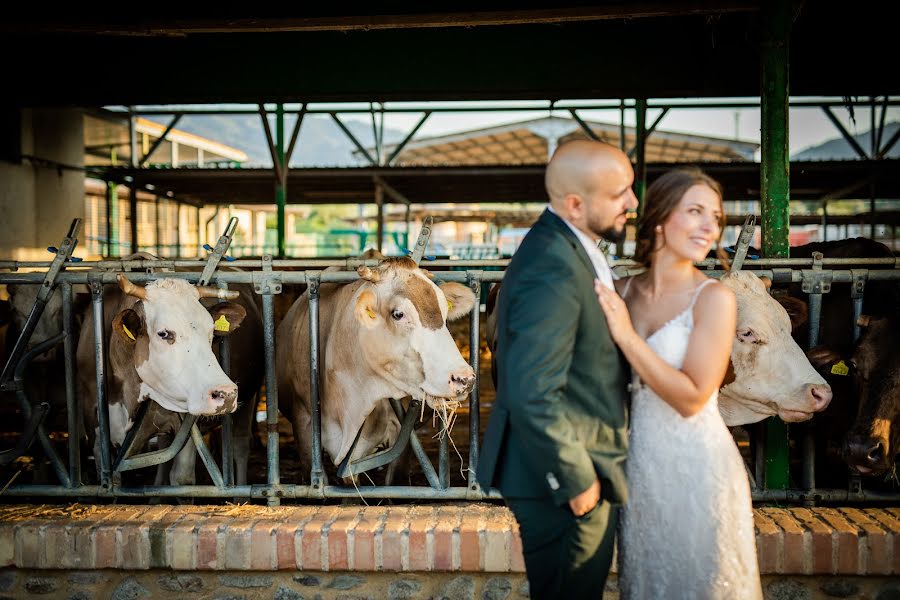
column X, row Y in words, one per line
column 662, row 197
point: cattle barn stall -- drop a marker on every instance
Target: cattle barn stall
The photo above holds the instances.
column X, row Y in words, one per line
column 268, row 277
column 687, row 50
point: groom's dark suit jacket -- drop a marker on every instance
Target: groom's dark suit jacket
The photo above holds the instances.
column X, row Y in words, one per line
column 560, row 413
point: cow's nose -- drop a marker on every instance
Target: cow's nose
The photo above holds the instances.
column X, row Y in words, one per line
column 462, row 381
column 223, row 399
column 820, row 396
column 864, row 451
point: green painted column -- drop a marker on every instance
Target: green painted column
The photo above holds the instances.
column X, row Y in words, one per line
column 280, row 186
column 775, row 186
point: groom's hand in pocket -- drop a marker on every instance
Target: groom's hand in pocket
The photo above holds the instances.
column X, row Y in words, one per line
column 586, row 500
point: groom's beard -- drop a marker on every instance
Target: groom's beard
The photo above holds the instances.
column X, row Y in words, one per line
column 612, row 233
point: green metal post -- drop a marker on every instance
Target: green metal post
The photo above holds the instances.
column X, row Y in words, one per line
column 280, row 186
column 640, row 171
column 775, row 186
column 112, row 219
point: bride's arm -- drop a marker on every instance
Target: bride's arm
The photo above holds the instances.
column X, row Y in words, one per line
column 708, row 353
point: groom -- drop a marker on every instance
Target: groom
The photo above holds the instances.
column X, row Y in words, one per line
column 556, row 442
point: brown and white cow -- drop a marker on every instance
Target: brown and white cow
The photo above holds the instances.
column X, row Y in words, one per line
column 772, row 375
column 769, row 373
column 382, row 336
column 160, row 350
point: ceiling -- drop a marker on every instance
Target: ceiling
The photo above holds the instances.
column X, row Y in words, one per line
column 84, row 56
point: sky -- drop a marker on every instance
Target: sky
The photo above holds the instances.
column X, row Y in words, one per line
column 808, row 126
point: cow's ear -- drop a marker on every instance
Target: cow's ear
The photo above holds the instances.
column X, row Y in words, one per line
column 821, row 356
column 766, row 282
column 460, row 299
column 797, row 310
column 227, row 316
column 367, row 309
column 128, row 325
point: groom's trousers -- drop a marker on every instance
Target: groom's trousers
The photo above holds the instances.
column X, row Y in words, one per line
column 565, row 556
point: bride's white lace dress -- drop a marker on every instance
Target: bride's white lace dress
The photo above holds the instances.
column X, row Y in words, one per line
column 687, row 529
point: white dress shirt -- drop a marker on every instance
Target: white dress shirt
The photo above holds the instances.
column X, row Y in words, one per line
column 598, row 259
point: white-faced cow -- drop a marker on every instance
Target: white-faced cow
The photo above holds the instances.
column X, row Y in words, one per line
column 769, row 373
column 383, row 336
column 160, row 338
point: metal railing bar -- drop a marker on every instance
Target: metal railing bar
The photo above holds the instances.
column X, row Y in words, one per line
column 74, row 415
column 208, row 461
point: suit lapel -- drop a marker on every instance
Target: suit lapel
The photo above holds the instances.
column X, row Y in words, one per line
column 548, row 219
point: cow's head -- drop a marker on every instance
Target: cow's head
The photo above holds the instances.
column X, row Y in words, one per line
column 171, row 334
column 403, row 334
column 772, row 376
column 874, row 439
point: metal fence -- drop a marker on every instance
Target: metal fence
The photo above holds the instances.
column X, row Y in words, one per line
column 267, row 277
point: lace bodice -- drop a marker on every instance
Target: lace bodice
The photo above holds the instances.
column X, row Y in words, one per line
column 688, row 527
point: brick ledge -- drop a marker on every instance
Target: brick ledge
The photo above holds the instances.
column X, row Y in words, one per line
column 446, row 537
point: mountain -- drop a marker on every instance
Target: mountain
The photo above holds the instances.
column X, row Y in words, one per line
column 321, row 142
column 839, row 149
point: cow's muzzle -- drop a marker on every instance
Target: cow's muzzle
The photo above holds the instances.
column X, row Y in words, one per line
column 223, row 399
column 462, row 381
column 866, row 454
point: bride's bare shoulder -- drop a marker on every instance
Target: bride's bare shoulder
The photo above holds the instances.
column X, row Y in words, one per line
column 715, row 298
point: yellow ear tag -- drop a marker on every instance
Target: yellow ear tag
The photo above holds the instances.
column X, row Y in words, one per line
column 840, row 368
column 449, row 305
column 222, row 324
column 128, row 333
column 370, row 312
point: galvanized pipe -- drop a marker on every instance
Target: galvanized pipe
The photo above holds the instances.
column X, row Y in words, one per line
column 100, row 361
column 273, row 476
column 227, row 420
column 474, row 279
column 73, row 410
column 433, row 478
column 208, row 461
column 317, row 473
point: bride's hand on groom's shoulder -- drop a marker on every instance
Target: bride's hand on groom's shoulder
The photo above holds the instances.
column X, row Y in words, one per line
column 617, row 317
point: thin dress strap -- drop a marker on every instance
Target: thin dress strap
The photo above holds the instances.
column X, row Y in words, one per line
column 697, row 293
column 627, row 285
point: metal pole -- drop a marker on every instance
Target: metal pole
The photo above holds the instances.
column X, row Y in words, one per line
column 133, row 207
column 228, row 421
column 274, row 477
column 474, row 280
column 379, row 204
column 177, row 229
column 281, row 184
column 640, row 171
column 158, row 231
column 100, row 359
column 74, row 411
column 317, row 475
column 112, row 216
column 622, row 125
column 775, row 185
column 874, row 153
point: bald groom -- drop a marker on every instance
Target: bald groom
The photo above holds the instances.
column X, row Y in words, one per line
column 555, row 444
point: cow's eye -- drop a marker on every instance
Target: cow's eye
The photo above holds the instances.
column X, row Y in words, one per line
column 748, row 336
column 167, row 335
column 396, row 314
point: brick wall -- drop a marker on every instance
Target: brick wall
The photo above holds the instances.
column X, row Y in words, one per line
column 473, row 540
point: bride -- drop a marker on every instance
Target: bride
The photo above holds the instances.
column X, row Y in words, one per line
column 687, row 530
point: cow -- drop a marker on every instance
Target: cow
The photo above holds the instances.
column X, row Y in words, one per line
column 768, row 374
column 863, row 419
column 874, row 438
column 382, row 336
column 160, row 349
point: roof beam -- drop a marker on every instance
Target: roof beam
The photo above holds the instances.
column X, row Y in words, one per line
column 158, row 26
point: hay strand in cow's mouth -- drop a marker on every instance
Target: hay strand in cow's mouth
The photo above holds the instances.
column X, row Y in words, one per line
column 445, row 410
